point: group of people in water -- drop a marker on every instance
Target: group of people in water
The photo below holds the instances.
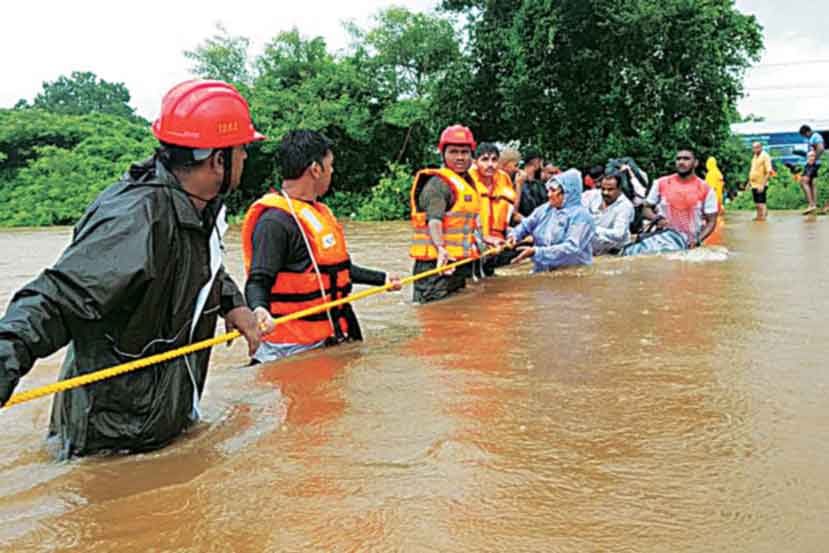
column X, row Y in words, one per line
column 470, row 205
column 144, row 272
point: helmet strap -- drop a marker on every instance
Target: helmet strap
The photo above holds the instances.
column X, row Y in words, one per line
column 228, row 170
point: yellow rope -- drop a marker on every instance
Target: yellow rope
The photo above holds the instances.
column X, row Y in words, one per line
column 103, row 374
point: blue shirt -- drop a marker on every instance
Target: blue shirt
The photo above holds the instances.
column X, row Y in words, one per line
column 814, row 140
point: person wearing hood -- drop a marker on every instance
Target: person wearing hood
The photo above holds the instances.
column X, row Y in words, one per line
column 715, row 179
column 562, row 229
column 142, row 275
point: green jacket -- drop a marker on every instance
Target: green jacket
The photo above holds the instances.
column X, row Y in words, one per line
column 125, row 288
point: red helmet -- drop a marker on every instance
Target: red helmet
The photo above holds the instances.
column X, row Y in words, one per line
column 457, row 134
column 205, row 114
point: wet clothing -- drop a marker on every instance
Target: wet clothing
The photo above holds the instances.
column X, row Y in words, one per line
column 811, row 171
column 684, row 203
column 442, row 194
column 659, row 241
column 438, row 287
column 141, row 261
column 283, row 279
column 562, row 236
column 612, row 222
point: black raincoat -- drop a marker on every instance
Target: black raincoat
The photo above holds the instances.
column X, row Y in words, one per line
column 124, row 288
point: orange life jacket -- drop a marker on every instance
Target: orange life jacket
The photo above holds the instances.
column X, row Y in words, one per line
column 459, row 223
column 496, row 207
column 295, row 291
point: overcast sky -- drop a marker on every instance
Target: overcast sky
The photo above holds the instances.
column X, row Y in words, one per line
column 141, row 44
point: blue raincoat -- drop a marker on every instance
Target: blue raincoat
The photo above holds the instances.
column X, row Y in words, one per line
column 562, row 236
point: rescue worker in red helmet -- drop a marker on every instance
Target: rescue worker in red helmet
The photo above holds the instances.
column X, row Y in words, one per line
column 444, row 211
column 143, row 274
column 296, row 257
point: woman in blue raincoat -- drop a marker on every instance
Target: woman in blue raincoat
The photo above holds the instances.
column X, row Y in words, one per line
column 562, row 229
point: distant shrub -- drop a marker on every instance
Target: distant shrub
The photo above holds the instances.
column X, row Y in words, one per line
column 389, row 199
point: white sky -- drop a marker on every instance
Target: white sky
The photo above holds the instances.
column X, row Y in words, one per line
column 141, row 44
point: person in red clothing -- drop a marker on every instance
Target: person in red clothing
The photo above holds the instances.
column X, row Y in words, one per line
column 683, row 202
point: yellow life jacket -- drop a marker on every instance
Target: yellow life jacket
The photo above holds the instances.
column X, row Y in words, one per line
column 497, row 206
column 295, row 291
column 459, row 222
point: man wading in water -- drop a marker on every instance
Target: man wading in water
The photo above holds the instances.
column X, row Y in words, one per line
column 445, row 208
column 296, row 257
column 683, row 202
column 142, row 275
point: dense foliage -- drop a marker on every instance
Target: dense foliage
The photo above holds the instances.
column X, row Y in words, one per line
column 784, row 192
column 587, row 80
column 581, row 80
column 52, row 166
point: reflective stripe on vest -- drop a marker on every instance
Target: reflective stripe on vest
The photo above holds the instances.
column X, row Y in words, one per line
column 459, row 222
column 295, row 291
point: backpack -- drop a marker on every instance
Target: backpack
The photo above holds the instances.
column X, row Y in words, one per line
column 615, row 165
column 627, row 187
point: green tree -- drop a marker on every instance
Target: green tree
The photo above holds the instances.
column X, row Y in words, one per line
column 52, row 166
column 589, row 80
column 223, row 57
column 409, row 54
column 82, row 93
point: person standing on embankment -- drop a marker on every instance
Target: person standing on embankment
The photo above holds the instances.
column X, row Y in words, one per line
column 758, row 178
column 808, row 181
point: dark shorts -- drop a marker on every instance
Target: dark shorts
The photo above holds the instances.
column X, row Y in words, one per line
column 437, row 287
column 811, row 171
column 759, row 195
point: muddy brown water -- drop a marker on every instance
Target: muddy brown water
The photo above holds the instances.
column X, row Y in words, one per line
column 660, row 404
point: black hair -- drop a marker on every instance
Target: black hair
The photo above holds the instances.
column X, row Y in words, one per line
column 688, row 148
column 597, row 172
column 487, row 148
column 804, row 129
column 299, row 149
column 614, row 175
column 530, row 155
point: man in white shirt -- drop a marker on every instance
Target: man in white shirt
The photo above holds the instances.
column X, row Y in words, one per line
column 612, row 212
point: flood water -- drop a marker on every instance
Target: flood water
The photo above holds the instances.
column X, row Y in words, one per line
column 657, row 404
